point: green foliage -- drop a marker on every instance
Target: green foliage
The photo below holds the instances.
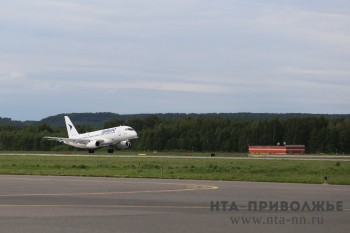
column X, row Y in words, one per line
column 320, row 135
column 208, row 132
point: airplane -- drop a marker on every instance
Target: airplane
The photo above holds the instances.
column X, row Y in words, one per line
column 119, row 136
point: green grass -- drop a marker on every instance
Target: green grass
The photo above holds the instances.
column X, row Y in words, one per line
column 209, row 169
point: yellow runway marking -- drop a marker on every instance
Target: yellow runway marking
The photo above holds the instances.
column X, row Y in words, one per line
column 188, row 187
column 322, row 187
column 91, row 180
column 105, row 206
column 110, row 193
column 177, row 187
column 116, row 206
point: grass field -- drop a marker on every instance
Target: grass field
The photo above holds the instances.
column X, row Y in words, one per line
column 209, row 169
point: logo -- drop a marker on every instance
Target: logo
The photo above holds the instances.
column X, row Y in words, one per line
column 70, row 127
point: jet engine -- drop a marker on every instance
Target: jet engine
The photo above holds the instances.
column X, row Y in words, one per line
column 124, row 144
column 93, row 144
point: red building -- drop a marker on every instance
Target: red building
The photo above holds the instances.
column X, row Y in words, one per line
column 277, row 150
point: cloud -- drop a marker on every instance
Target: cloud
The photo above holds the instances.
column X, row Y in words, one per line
column 316, row 27
column 12, row 80
column 13, row 76
column 242, row 54
column 16, row 81
column 315, row 72
column 161, row 86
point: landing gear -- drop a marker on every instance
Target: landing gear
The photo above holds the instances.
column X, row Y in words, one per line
column 110, row 151
column 91, row 151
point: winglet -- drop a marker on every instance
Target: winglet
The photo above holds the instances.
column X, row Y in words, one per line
column 72, row 132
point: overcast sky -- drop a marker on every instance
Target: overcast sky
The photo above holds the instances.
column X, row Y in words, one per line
column 159, row 56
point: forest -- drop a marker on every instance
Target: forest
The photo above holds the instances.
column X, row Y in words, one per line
column 197, row 133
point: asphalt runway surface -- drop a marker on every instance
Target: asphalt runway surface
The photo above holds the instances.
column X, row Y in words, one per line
column 250, row 157
column 50, row 204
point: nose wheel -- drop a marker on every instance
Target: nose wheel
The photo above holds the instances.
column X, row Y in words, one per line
column 110, row 151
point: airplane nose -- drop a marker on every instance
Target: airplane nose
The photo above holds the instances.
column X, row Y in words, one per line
column 134, row 135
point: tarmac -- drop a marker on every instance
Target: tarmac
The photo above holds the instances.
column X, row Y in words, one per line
column 51, row 204
column 188, row 156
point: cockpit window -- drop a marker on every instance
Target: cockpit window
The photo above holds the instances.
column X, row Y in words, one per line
column 129, row 129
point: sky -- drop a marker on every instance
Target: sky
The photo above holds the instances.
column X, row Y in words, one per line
column 165, row 56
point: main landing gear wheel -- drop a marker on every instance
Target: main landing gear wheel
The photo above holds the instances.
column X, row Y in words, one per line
column 91, row 151
column 110, row 151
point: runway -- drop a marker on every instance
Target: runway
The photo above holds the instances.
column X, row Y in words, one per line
column 250, row 157
column 89, row 204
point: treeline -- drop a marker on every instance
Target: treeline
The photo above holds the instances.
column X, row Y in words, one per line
column 9, row 121
column 320, row 135
column 206, row 133
column 99, row 118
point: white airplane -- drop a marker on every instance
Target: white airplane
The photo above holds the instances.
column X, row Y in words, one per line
column 119, row 136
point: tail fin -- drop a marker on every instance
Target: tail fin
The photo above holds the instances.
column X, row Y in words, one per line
column 72, row 132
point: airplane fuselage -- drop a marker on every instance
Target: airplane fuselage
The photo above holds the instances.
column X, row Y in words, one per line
column 105, row 137
column 119, row 136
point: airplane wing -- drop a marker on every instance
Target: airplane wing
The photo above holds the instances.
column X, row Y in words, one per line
column 81, row 141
